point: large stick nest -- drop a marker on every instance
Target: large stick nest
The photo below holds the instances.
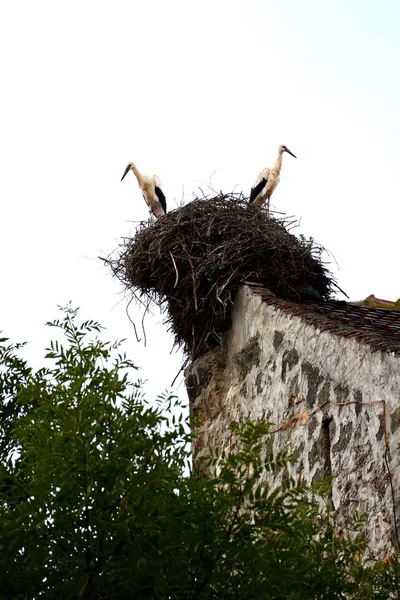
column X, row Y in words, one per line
column 192, row 261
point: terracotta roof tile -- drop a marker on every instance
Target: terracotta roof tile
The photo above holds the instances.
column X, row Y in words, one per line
column 377, row 327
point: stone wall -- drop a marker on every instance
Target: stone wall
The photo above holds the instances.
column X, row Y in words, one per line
column 326, row 392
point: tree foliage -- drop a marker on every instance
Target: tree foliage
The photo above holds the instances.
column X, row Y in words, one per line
column 99, row 498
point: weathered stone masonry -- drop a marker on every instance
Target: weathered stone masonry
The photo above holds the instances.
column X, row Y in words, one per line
column 281, row 367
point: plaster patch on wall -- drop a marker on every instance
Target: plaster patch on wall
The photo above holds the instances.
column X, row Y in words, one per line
column 248, row 357
column 358, row 397
column 278, row 339
column 289, row 360
column 395, row 420
column 314, row 381
column 259, row 386
column 346, row 432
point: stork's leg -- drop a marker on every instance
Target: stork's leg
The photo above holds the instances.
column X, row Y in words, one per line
column 151, row 217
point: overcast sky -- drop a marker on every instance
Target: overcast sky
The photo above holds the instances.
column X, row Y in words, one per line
column 189, row 91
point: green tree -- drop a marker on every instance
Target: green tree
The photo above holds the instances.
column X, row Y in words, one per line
column 99, row 498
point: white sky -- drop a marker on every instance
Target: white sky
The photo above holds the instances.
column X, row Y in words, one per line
column 186, row 89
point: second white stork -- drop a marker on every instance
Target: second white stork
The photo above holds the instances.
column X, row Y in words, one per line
column 267, row 180
column 151, row 190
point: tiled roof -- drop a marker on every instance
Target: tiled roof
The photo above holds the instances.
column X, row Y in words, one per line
column 377, row 327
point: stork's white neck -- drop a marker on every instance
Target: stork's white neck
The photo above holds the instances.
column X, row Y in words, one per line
column 135, row 169
column 276, row 167
column 137, row 173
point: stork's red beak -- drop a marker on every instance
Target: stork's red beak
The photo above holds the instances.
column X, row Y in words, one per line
column 287, row 150
column 126, row 171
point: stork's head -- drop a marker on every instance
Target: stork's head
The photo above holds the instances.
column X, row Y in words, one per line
column 129, row 166
column 283, row 149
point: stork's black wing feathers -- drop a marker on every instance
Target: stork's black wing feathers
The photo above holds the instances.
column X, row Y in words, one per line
column 161, row 197
column 257, row 189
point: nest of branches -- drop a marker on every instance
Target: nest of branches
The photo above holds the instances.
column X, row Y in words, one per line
column 192, row 261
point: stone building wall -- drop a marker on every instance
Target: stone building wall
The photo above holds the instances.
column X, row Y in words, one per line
column 326, row 391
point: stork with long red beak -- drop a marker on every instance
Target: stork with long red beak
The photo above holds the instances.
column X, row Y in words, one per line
column 267, row 180
column 151, row 190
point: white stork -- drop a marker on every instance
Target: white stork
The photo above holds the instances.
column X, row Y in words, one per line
column 151, row 190
column 267, row 180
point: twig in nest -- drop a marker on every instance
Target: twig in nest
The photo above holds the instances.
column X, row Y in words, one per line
column 194, row 284
column 143, row 318
column 129, row 317
column 182, row 368
column 176, row 270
